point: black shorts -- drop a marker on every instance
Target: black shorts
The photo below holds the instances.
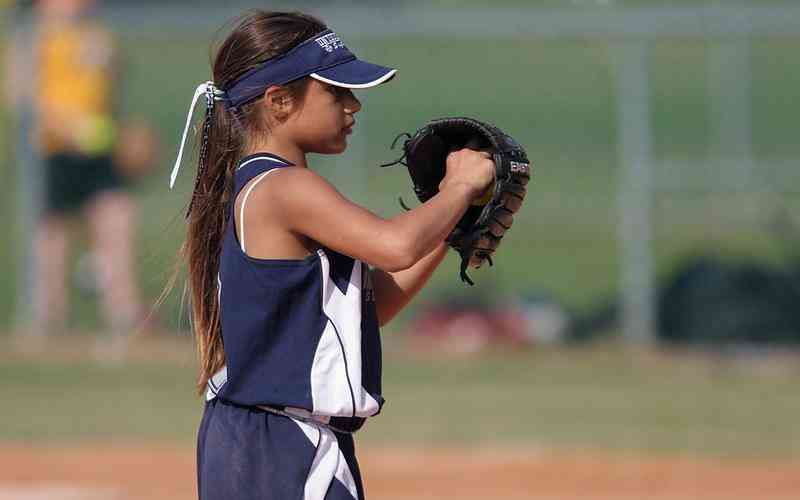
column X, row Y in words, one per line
column 72, row 180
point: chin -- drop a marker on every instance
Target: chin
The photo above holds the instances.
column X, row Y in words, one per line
column 329, row 144
column 338, row 147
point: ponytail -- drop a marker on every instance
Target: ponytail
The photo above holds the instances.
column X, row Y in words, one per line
column 207, row 220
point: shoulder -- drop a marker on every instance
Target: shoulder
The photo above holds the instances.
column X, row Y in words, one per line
column 287, row 187
column 300, row 174
column 303, row 200
column 286, row 183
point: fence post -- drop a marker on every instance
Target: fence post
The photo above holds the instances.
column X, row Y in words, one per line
column 635, row 194
column 28, row 170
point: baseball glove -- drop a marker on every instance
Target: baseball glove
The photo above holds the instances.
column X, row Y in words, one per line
column 479, row 232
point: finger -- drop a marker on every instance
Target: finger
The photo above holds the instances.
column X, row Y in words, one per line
column 501, row 222
column 483, row 153
column 513, row 196
column 488, row 243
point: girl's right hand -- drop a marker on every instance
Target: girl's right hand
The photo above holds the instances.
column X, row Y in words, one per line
column 473, row 169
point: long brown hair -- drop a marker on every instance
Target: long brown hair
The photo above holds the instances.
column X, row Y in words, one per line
column 258, row 36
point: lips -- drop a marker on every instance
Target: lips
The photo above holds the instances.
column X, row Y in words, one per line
column 349, row 128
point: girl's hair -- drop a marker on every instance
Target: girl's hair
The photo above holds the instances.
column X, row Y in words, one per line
column 258, row 36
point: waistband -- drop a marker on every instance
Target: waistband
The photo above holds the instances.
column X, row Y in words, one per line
column 306, row 416
column 341, row 425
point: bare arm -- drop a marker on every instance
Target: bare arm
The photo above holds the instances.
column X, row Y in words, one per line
column 394, row 290
column 307, row 204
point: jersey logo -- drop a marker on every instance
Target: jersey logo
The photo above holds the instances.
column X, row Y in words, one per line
column 519, row 167
column 329, row 42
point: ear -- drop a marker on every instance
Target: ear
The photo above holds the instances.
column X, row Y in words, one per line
column 278, row 99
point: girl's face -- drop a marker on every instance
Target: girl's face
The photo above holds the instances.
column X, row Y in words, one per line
column 323, row 118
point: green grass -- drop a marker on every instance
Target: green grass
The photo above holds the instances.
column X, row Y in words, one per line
column 76, row 401
column 591, row 399
column 603, row 397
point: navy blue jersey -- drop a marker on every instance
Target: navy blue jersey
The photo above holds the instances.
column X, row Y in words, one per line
column 297, row 333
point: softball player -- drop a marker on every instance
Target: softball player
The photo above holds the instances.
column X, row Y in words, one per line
column 289, row 280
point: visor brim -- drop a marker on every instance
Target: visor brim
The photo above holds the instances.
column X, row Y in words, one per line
column 355, row 74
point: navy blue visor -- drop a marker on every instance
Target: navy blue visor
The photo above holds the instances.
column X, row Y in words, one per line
column 323, row 57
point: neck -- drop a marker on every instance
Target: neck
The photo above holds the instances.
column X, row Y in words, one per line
column 285, row 149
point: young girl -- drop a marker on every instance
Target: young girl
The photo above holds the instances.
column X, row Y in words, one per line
column 289, row 280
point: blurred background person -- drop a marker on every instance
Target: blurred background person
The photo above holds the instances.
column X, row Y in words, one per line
column 76, row 132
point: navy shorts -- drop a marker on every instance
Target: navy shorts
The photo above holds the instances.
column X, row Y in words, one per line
column 246, row 453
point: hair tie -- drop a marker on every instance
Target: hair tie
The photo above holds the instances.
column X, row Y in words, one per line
column 201, row 163
column 212, row 94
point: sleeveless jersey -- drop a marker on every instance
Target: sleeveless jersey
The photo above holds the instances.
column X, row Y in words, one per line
column 297, row 333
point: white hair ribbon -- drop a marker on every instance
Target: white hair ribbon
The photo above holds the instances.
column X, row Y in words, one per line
column 203, row 88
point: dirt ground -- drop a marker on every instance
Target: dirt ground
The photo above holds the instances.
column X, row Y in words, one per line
column 159, row 472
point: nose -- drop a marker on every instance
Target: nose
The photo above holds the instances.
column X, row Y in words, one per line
column 351, row 104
